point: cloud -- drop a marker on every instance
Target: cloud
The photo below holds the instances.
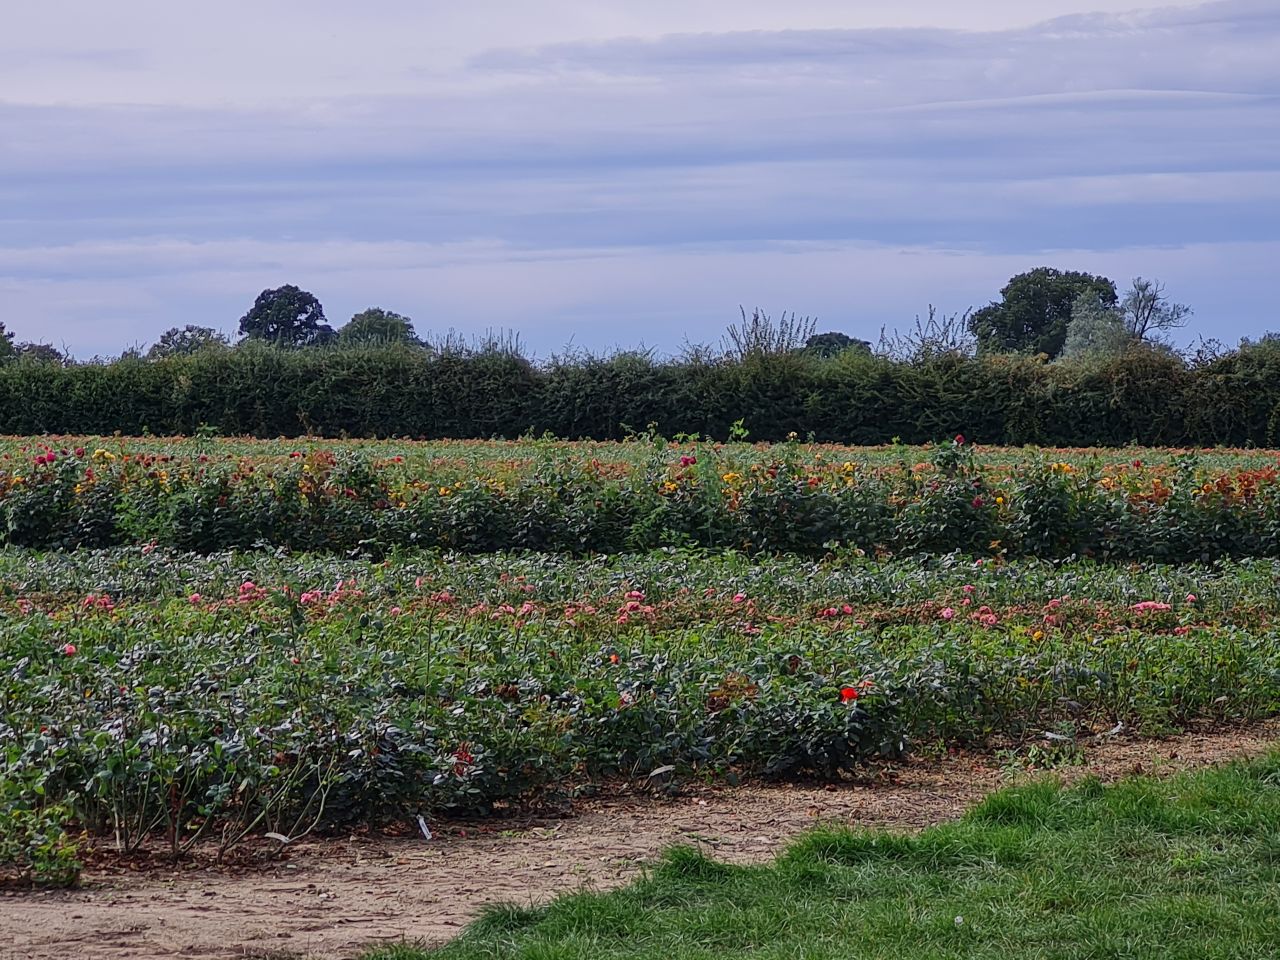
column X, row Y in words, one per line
column 538, row 185
column 724, row 97
column 21, row 61
column 1169, row 48
column 251, row 53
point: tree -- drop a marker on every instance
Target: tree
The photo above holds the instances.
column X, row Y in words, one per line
column 183, row 341
column 1034, row 310
column 40, row 353
column 287, row 317
column 1148, row 314
column 7, row 349
column 832, row 344
column 1095, row 329
column 378, row 326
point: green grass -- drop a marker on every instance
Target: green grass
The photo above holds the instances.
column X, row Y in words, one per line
column 1183, row 868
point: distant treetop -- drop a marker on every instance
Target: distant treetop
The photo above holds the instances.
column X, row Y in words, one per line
column 378, row 326
column 41, row 353
column 181, row 341
column 287, row 317
column 834, row 343
column 1034, row 310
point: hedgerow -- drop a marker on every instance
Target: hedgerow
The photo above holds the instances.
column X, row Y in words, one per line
column 1144, row 396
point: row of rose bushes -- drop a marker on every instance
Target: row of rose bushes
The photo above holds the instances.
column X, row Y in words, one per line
column 407, row 689
column 608, row 611
column 786, row 501
column 451, row 460
column 282, row 734
column 687, row 586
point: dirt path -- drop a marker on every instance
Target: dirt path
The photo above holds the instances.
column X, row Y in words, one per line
column 332, row 898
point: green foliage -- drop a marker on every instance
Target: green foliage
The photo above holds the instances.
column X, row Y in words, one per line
column 1143, row 869
column 181, row 341
column 1034, row 311
column 936, row 337
column 378, row 326
column 41, row 354
column 1095, row 330
column 760, row 335
column 286, row 317
column 1143, row 396
column 207, row 495
column 36, row 848
column 208, row 699
column 832, row 344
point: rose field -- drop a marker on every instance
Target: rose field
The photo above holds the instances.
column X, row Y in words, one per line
column 373, row 498
column 206, row 642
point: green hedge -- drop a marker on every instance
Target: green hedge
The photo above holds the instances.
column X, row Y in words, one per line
column 1146, row 397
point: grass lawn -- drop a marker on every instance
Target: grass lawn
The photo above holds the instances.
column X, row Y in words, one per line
column 1181, row 868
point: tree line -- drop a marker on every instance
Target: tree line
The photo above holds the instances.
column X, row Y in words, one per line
column 1044, row 311
column 1060, row 359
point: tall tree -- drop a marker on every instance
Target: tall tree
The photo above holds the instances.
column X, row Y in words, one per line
column 287, row 317
column 376, row 326
column 1148, row 313
column 1034, row 310
column 7, row 349
column 180, row 341
column 1095, row 329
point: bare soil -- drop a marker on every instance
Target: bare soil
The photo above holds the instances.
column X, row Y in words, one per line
column 333, row 898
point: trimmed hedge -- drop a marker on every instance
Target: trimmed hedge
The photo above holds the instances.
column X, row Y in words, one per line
column 1145, row 396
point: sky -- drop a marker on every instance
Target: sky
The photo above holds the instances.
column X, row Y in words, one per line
column 598, row 173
